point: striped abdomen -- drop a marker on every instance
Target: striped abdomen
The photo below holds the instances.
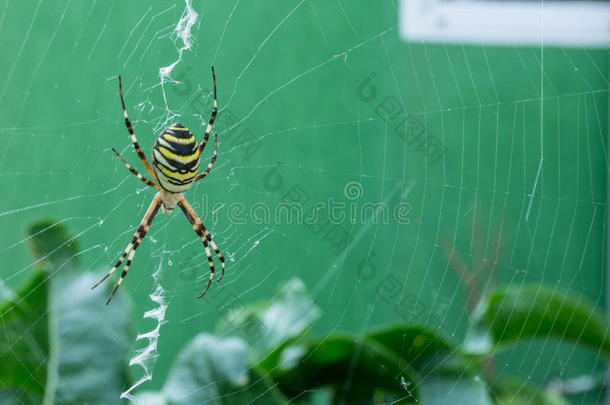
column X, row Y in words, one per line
column 176, row 158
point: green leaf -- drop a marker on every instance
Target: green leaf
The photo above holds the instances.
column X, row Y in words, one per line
column 6, row 294
column 215, row 371
column 149, row 398
column 11, row 396
column 511, row 391
column 52, row 245
column 423, row 350
column 266, row 326
column 356, row 369
column 59, row 340
column 88, row 342
column 24, row 341
column 464, row 391
column 517, row 313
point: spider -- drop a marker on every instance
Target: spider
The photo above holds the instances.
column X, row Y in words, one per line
column 175, row 163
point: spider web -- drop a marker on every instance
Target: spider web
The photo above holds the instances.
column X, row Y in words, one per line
column 319, row 102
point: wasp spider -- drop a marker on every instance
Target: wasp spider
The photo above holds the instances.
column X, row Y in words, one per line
column 175, row 163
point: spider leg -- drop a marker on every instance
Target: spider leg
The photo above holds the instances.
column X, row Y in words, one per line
column 202, row 175
column 134, row 140
column 208, row 130
column 135, row 172
column 133, row 245
column 205, row 237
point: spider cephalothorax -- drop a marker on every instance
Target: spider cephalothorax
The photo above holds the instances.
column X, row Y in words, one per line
column 175, row 165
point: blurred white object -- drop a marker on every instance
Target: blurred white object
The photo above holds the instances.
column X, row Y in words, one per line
column 557, row 23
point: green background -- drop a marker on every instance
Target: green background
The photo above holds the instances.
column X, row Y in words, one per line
column 523, row 130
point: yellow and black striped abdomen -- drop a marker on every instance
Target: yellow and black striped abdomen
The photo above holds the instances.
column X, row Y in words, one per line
column 176, row 158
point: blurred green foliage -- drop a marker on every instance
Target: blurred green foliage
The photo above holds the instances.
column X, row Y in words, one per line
column 62, row 344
